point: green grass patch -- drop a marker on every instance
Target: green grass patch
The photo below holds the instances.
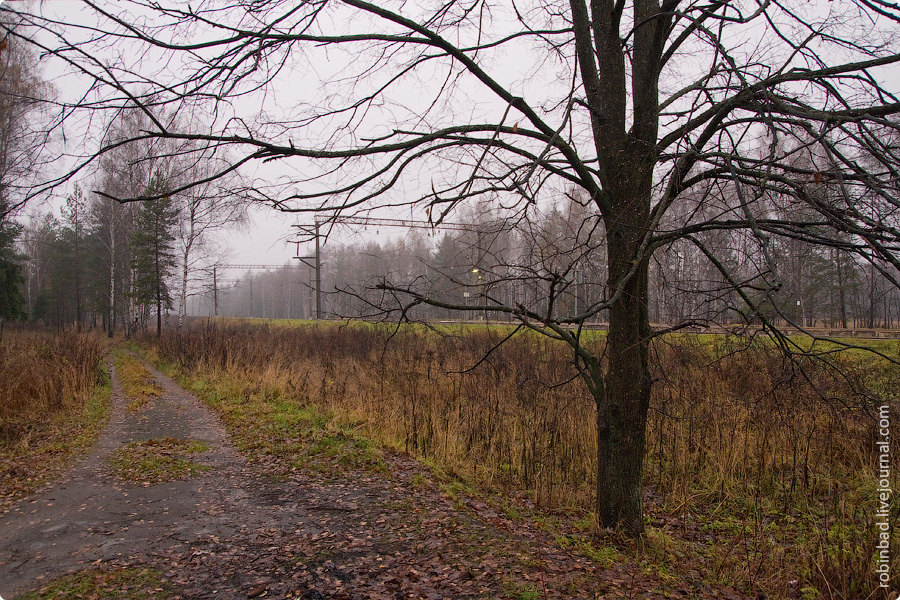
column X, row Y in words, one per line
column 603, row 554
column 344, row 448
column 158, row 460
column 285, row 432
column 518, row 591
column 121, row 584
column 458, row 491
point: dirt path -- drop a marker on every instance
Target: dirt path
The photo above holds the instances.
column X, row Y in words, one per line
column 236, row 532
column 90, row 515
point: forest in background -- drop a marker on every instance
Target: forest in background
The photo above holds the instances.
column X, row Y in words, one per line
column 94, row 264
column 494, row 262
column 124, row 266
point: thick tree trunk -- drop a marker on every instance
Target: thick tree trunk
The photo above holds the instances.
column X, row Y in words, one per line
column 622, row 414
column 841, row 294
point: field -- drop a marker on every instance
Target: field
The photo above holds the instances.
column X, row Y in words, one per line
column 760, row 469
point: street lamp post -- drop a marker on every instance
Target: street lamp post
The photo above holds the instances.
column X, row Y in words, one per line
column 480, row 302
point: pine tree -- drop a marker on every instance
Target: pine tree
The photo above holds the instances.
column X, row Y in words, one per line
column 153, row 249
column 74, row 237
column 12, row 302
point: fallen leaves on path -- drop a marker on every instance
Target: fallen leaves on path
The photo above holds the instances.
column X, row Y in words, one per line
column 157, row 460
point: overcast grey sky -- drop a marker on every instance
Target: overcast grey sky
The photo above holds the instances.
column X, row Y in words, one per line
column 264, row 239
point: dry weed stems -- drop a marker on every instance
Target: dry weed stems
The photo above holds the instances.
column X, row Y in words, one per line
column 42, row 374
column 54, row 400
column 759, row 467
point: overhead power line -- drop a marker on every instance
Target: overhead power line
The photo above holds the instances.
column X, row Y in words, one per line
column 376, row 222
column 250, row 267
column 365, row 222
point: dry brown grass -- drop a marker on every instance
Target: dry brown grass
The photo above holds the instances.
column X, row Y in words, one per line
column 759, row 468
column 772, row 459
column 43, row 373
column 54, row 400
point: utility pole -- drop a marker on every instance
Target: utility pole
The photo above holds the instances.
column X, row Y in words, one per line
column 318, row 276
column 316, row 266
column 215, row 294
column 368, row 222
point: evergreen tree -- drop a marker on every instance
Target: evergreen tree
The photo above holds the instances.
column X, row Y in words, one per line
column 12, row 302
column 74, row 237
column 153, row 249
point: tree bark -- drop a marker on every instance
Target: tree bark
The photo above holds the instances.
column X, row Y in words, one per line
column 158, row 276
column 185, row 262
column 622, row 414
column 111, row 322
column 182, row 308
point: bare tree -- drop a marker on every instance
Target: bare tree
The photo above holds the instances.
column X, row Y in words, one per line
column 74, row 220
column 23, row 153
column 122, row 171
column 640, row 104
column 205, row 209
column 25, row 133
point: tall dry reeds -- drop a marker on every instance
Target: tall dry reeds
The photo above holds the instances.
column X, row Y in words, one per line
column 42, row 373
column 768, row 458
column 507, row 422
column 755, row 420
column 775, row 455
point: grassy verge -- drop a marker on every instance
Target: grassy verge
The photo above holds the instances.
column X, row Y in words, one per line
column 122, row 584
column 286, row 433
column 40, row 436
column 760, row 468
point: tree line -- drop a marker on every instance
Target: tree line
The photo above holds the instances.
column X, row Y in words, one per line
column 101, row 263
column 493, row 261
column 95, row 261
